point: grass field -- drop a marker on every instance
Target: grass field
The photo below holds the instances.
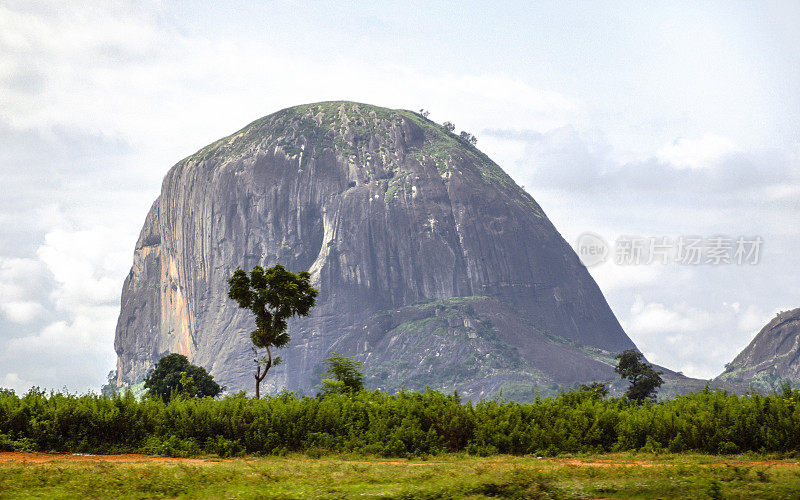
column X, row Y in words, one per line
column 29, row 475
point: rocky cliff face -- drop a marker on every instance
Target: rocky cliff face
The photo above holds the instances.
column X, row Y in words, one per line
column 434, row 267
column 772, row 357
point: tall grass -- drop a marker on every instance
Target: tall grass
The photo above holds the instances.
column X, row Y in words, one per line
column 397, row 425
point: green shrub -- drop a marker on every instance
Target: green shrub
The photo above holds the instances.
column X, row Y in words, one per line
column 173, row 446
column 218, row 445
column 398, row 425
column 8, row 444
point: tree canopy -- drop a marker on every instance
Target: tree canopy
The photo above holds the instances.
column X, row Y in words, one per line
column 274, row 295
column 173, row 376
column 467, row 137
column 343, row 375
column 644, row 380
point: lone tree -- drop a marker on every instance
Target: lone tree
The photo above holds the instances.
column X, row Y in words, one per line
column 343, row 375
column 274, row 295
column 173, row 375
column 643, row 378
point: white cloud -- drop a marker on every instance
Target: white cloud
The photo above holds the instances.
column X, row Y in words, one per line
column 611, row 277
column 87, row 266
column 22, row 311
column 785, row 192
column 107, row 60
column 75, row 353
column 703, row 152
column 21, row 279
column 88, row 330
column 14, row 382
column 649, row 318
column 70, row 343
column 582, row 160
column 688, row 338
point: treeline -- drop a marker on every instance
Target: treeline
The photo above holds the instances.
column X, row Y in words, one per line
column 398, row 425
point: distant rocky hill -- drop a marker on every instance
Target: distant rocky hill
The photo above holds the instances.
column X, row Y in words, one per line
column 434, row 267
column 773, row 356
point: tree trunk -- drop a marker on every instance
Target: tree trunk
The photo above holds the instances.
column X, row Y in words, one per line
column 259, row 376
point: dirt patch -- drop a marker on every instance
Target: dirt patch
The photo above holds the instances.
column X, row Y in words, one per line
column 763, row 463
column 649, row 463
column 386, row 462
column 19, row 457
column 39, row 458
column 608, row 463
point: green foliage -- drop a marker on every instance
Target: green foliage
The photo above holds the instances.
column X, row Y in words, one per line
column 274, row 295
column 597, row 389
column 173, row 375
column 644, row 380
column 467, row 137
column 343, row 375
column 171, row 446
column 399, row 425
column 714, row 490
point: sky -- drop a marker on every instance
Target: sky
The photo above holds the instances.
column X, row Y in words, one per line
column 636, row 122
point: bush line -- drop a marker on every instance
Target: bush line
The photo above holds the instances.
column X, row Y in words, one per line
column 404, row 424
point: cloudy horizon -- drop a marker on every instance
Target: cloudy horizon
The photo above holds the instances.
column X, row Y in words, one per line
column 675, row 120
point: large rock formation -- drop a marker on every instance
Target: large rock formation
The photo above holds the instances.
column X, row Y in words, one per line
column 771, row 358
column 433, row 266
